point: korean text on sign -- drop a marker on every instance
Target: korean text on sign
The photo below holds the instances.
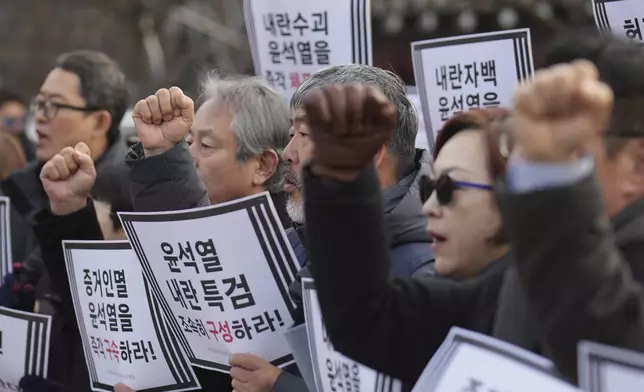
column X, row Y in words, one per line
column 24, row 346
column 222, row 274
column 122, row 328
column 291, row 39
column 624, row 18
column 333, row 371
column 466, row 72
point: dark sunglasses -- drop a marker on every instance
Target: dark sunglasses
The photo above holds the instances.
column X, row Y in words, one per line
column 444, row 186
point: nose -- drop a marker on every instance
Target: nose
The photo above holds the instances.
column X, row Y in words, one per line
column 431, row 208
column 290, row 154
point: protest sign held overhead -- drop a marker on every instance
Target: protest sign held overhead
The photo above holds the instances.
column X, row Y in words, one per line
column 222, row 274
column 291, row 39
column 5, row 237
column 332, row 370
column 456, row 74
column 24, row 346
column 469, row 361
column 609, row 369
column 624, row 18
column 124, row 336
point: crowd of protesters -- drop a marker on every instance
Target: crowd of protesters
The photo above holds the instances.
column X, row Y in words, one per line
column 525, row 223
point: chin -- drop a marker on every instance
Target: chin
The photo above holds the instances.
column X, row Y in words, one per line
column 444, row 266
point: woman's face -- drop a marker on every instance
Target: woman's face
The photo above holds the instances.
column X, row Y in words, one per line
column 462, row 228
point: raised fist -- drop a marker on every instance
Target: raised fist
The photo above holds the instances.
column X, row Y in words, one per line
column 162, row 120
column 349, row 124
column 68, row 178
column 560, row 112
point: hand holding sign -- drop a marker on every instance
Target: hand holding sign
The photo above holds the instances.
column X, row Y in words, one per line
column 122, row 388
column 252, row 374
column 162, row 120
column 349, row 125
column 68, row 178
column 561, row 111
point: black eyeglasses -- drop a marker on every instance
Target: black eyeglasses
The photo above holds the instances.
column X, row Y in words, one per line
column 50, row 109
column 444, row 186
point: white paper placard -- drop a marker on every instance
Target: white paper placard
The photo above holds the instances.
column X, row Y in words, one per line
column 24, row 346
column 460, row 73
column 610, row 369
column 125, row 338
column 624, row 18
column 421, row 136
column 471, row 360
column 292, row 39
column 6, row 262
column 332, row 370
column 233, row 298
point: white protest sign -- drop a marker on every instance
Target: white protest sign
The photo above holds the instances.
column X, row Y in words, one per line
column 456, row 74
column 291, row 39
column 125, row 338
column 469, row 361
column 624, row 18
column 610, row 369
column 222, row 274
column 24, row 346
column 421, row 136
column 332, row 370
column 6, row 262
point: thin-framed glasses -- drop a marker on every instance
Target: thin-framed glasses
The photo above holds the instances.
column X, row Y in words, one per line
column 50, row 109
column 444, row 186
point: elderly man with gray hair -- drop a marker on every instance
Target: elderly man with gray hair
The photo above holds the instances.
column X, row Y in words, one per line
column 234, row 142
column 399, row 165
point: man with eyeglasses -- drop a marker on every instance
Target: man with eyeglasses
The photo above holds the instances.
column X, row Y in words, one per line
column 83, row 99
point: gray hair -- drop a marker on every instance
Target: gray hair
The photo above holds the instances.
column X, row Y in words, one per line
column 260, row 118
column 403, row 142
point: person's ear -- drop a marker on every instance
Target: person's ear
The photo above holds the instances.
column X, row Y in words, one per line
column 380, row 156
column 103, row 121
column 266, row 168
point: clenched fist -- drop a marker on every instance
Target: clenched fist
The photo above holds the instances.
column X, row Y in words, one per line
column 162, row 120
column 560, row 112
column 68, row 178
column 349, row 124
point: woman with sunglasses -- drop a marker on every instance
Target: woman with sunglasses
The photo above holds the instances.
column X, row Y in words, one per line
column 459, row 202
column 396, row 325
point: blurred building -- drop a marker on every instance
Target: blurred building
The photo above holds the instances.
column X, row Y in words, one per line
column 166, row 42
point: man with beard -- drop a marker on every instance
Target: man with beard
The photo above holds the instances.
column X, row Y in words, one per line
column 399, row 165
column 161, row 160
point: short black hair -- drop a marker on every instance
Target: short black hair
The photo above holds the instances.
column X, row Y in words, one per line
column 102, row 84
column 111, row 186
column 7, row 96
column 621, row 66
